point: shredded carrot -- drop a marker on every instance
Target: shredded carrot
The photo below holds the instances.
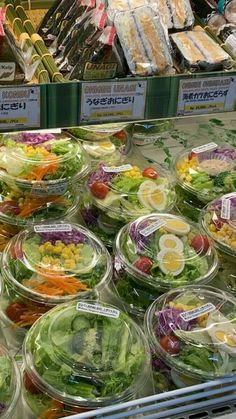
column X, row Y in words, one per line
column 56, row 285
column 32, row 204
column 39, row 172
column 30, row 315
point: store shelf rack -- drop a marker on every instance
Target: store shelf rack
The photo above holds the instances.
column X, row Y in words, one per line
column 209, row 400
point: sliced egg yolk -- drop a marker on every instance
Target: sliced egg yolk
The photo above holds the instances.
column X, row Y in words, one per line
column 157, row 199
column 171, row 262
column 226, row 337
column 177, row 226
column 169, row 241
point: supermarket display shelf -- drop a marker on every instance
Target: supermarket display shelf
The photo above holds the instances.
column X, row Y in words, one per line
column 216, row 399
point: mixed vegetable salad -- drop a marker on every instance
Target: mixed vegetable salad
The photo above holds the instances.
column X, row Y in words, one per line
column 88, row 354
column 193, row 331
column 47, row 265
column 22, row 207
column 9, row 383
column 207, row 174
column 219, row 221
column 30, row 158
column 164, row 251
column 128, row 191
column 101, row 132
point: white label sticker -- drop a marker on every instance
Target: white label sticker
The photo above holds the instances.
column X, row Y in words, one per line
column 118, row 100
column 152, row 227
column 98, row 309
column 205, row 147
column 47, row 228
column 197, row 312
column 7, row 71
column 20, row 107
column 231, row 43
column 206, row 95
column 118, row 169
column 54, row 189
column 225, row 208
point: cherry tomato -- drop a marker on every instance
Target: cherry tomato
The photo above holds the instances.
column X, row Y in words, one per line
column 200, row 244
column 99, row 190
column 29, row 384
column 150, row 172
column 191, row 155
column 143, row 264
column 121, row 135
column 170, row 344
column 15, row 310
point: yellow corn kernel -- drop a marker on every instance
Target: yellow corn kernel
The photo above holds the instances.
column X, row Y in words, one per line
column 78, row 258
column 57, row 250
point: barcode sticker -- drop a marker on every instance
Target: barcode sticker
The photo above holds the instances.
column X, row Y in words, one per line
column 152, row 227
column 205, row 147
column 225, row 208
column 197, row 312
column 48, row 228
column 118, row 169
column 98, row 309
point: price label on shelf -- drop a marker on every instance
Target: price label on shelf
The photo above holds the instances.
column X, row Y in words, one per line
column 111, row 101
column 20, row 107
column 207, row 95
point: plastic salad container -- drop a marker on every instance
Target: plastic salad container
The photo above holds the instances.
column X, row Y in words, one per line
column 47, row 265
column 7, row 231
column 145, row 133
column 84, row 354
column 218, row 219
column 42, row 163
column 158, row 252
column 105, row 142
column 187, row 205
column 10, row 386
column 206, row 172
column 193, row 331
column 18, row 207
column 227, row 275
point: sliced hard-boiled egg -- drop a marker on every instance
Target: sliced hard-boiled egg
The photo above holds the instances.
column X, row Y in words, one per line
column 170, row 261
column 158, row 199
column 177, row 226
column 144, row 192
column 169, row 241
column 98, row 149
column 222, row 332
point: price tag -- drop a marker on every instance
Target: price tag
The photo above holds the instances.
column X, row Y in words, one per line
column 98, row 309
column 213, row 94
column 225, row 208
column 152, row 228
column 52, row 228
column 197, row 312
column 113, row 101
column 20, row 107
column 118, row 169
column 204, row 147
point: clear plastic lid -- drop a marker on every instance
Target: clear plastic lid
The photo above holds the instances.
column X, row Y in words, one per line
column 100, row 132
column 129, row 191
column 166, row 251
column 193, row 331
column 21, row 207
column 55, row 263
column 42, row 161
column 219, row 222
column 207, row 171
column 87, row 353
column 9, row 384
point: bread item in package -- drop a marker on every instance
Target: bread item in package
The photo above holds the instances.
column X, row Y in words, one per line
column 144, row 41
column 197, row 51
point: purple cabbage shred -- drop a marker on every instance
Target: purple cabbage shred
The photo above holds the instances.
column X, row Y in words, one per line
column 141, row 242
column 67, row 237
column 169, row 320
column 34, row 139
column 100, row 176
column 89, row 215
column 227, row 152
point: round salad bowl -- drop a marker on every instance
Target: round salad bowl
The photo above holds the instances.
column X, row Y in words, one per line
column 47, row 265
column 59, row 369
column 158, row 252
column 191, row 329
column 10, row 386
column 206, row 172
column 109, row 143
column 42, row 164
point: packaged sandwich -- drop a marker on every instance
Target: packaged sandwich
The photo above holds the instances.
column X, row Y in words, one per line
column 103, row 60
column 196, row 51
column 144, row 41
column 230, row 11
column 215, row 21
column 176, row 14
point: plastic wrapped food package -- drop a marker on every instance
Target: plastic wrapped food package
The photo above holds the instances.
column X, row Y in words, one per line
column 192, row 330
column 197, row 51
column 85, row 355
column 207, row 171
column 10, row 385
column 42, row 163
column 158, row 252
column 230, row 11
column 218, row 219
column 47, row 265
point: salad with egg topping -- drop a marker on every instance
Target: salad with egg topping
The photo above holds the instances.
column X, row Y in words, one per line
column 193, row 330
